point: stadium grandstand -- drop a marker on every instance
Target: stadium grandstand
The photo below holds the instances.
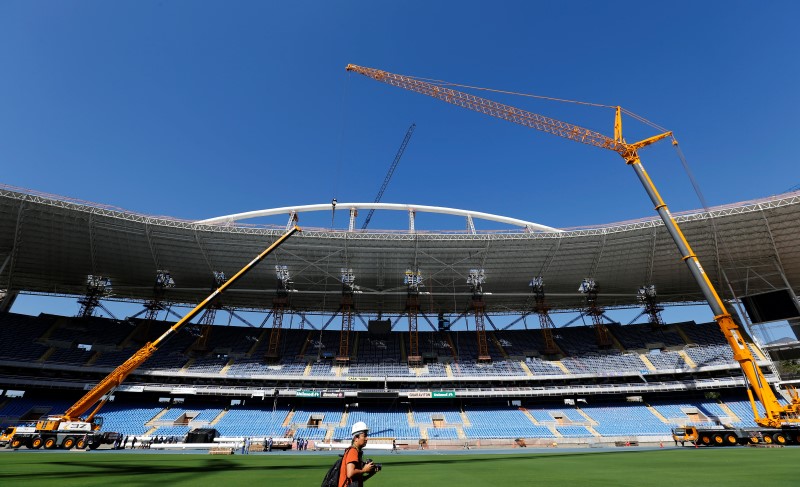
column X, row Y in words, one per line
column 426, row 336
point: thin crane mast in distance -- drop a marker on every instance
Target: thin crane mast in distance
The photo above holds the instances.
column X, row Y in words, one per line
column 390, row 173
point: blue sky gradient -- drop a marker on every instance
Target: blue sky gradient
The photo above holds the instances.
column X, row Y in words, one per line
column 199, row 109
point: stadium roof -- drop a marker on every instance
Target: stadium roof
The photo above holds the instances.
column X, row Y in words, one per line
column 49, row 244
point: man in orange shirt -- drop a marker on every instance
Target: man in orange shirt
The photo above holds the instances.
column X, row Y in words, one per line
column 354, row 471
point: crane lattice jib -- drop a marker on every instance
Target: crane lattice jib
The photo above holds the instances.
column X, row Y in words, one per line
column 389, row 174
column 495, row 109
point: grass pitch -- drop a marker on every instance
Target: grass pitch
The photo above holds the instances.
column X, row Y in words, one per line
column 652, row 468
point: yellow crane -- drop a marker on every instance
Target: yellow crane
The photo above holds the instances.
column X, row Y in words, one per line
column 776, row 415
column 73, row 429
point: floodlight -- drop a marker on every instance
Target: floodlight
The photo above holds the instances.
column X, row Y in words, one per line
column 476, row 277
column 219, row 278
column 347, row 276
column 282, row 272
column 99, row 283
column 164, row 279
column 646, row 292
column 588, row 285
column 413, row 279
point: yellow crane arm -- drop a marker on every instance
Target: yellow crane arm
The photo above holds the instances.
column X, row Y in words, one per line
column 507, row 112
column 776, row 413
column 119, row 374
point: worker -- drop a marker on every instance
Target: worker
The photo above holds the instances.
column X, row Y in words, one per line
column 354, row 471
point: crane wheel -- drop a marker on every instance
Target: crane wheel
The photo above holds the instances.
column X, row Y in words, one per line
column 16, row 443
column 767, row 439
column 50, row 443
column 36, row 442
column 705, row 440
column 754, row 440
column 718, row 440
column 68, row 442
column 779, row 438
column 81, row 444
column 731, row 439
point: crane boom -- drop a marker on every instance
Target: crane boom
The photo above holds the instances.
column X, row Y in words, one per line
column 776, row 413
column 119, row 374
column 390, row 173
column 493, row 108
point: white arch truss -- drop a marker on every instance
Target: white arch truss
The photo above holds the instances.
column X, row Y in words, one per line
column 411, row 209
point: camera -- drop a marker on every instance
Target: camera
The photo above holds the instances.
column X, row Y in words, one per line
column 377, row 466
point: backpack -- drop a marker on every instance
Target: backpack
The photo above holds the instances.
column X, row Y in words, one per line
column 331, row 478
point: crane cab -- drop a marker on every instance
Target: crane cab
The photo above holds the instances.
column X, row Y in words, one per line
column 685, row 434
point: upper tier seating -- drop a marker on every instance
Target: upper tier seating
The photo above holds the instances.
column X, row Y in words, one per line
column 607, row 363
column 520, row 342
column 19, row 335
column 239, row 352
column 498, row 368
column 667, row 360
column 634, row 337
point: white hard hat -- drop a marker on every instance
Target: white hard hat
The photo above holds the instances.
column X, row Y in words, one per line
column 360, row 427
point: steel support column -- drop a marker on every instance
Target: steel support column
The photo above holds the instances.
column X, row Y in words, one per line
column 479, row 308
column 412, row 309
column 347, row 327
column 279, row 305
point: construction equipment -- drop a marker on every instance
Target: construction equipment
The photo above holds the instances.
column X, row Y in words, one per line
column 778, row 419
column 730, row 436
column 8, row 433
column 390, row 173
column 72, row 429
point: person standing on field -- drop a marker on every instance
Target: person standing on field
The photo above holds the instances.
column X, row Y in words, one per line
column 354, row 471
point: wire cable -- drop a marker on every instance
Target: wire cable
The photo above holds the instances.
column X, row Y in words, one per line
column 542, row 97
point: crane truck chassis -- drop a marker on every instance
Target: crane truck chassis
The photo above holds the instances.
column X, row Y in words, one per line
column 67, row 435
column 728, row 436
column 72, row 429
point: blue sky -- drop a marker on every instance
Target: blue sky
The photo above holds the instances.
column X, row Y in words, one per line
column 199, row 109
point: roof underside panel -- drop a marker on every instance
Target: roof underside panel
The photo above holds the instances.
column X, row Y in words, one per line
column 51, row 245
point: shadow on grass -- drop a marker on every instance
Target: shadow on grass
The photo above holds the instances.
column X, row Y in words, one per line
column 66, row 470
column 519, row 457
column 139, row 468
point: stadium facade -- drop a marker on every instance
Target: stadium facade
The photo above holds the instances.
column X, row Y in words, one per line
column 675, row 373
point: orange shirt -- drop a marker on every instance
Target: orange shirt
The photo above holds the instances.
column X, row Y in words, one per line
column 351, row 455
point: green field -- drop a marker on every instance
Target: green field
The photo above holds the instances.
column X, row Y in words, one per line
column 713, row 467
